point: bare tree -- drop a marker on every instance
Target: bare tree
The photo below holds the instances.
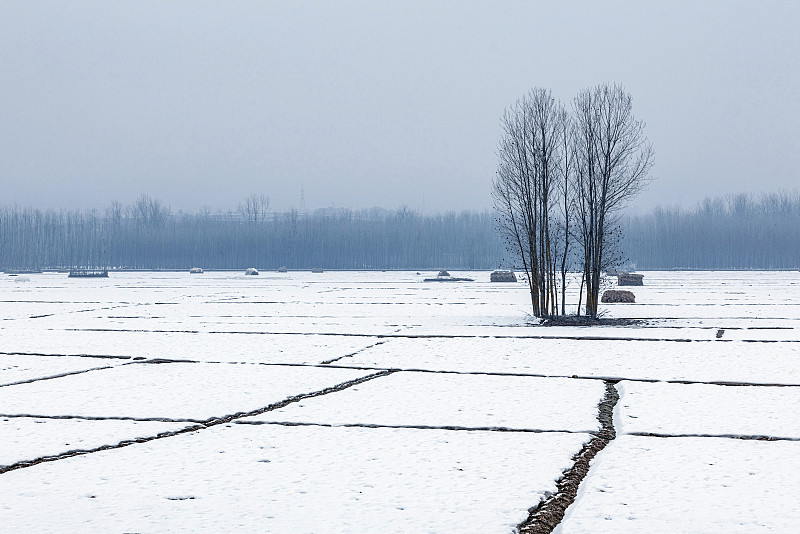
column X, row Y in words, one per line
column 114, row 213
column 525, row 191
column 566, row 202
column 149, row 211
column 612, row 159
column 254, row 208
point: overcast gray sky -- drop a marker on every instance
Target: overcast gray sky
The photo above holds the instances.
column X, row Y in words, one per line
column 376, row 103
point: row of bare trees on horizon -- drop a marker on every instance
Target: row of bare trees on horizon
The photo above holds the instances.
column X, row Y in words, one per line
column 148, row 235
column 732, row 232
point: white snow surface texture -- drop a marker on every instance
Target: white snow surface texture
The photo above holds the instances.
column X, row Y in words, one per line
column 375, row 402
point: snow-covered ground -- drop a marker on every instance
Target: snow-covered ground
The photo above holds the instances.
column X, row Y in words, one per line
column 689, row 485
column 455, row 400
column 703, row 409
column 373, row 401
column 174, row 390
column 265, row 478
column 26, row 439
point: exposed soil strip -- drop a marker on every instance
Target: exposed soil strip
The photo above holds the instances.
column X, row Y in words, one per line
column 101, row 418
column 326, row 362
column 694, row 327
column 214, row 421
column 46, row 302
column 544, row 517
column 612, row 379
column 108, row 356
column 31, row 380
column 425, row 336
column 721, row 436
column 423, row 427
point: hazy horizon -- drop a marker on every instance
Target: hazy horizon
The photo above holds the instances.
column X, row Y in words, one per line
column 633, row 210
column 378, row 104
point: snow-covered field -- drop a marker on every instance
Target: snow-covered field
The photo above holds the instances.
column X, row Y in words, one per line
column 376, row 402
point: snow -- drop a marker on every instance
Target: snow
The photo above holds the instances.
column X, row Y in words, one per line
column 187, row 391
column 26, row 439
column 454, row 400
column 208, row 347
column 688, row 485
column 15, row 368
column 702, row 409
column 477, row 420
column 774, row 363
column 246, row 478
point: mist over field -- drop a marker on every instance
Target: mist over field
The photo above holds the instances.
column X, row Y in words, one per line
column 735, row 232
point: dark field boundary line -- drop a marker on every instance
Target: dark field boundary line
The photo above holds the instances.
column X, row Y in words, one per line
column 696, row 318
column 723, row 327
column 48, row 355
column 332, row 360
column 208, row 423
column 745, row 437
column 421, row 427
column 435, row 336
column 612, row 379
column 51, row 377
column 546, row 515
column 105, row 418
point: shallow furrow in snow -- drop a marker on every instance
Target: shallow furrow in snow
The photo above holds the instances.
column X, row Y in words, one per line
column 420, row 427
column 200, row 426
column 613, row 379
column 326, row 362
column 728, row 436
column 430, row 336
column 60, row 375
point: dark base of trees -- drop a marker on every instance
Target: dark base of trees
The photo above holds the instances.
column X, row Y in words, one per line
column 583, row 320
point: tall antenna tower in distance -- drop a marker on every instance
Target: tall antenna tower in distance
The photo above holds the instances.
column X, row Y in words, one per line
column 302, row 200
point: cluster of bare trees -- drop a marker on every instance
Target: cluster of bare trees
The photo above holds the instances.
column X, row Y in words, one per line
column 563, row 177
column 255, row 208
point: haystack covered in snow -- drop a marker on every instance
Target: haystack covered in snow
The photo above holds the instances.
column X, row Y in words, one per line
column 444, row 276
column 630, row 279
column 88, row 273
column 251, row 271
column 503, row 276
column 618, row 296
column 196, row 270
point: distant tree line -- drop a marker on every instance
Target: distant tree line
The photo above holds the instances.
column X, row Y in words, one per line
column 732, row 232
column 148, row 235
